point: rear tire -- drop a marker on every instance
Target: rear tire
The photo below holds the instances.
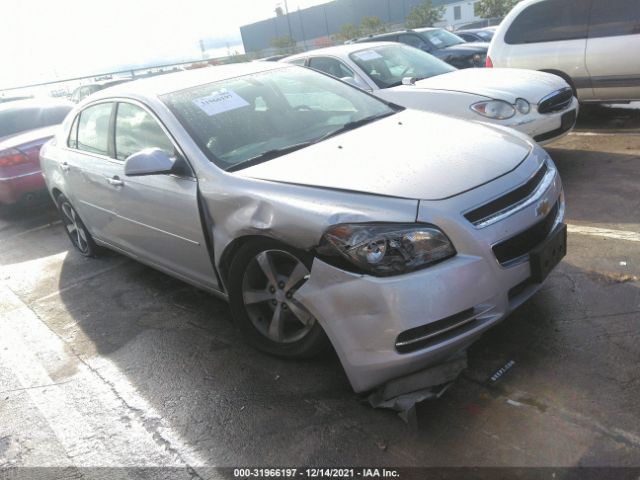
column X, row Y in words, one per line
column 263, row 278
column 78, row 233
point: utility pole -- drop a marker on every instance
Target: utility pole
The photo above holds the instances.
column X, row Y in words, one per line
column 286, row 10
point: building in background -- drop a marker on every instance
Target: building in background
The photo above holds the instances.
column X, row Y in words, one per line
column 315, row 26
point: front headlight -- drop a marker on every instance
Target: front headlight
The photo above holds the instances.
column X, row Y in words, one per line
column 497, row 109
column 387, row 249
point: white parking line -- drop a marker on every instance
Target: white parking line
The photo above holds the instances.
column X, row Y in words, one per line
column 604, row 232
column 604, row 134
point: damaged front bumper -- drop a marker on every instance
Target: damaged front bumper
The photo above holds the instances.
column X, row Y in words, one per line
column 387, row 328
column 367, row 318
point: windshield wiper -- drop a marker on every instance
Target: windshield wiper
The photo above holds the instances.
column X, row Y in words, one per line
column 278, row 152
column 353, row 125
column 268, row 155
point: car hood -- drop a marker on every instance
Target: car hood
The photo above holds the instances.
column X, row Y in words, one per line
column 22, row 138
column 499, row 83
column 470, row 47
column 412, row 154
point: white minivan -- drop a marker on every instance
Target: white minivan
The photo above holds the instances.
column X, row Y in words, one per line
column 593, row 44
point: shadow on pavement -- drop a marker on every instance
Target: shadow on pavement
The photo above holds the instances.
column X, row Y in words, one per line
column 611, row 178
column 609, row 117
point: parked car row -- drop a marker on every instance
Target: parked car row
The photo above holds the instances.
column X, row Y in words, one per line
column 322, row 213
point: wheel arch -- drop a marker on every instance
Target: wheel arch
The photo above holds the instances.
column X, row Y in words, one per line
column 231, row 249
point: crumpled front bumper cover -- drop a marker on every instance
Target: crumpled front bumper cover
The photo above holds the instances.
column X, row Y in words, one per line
column 363, row 315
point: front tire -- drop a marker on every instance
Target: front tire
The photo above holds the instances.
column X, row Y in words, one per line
column 78, row 233
column 263, row 278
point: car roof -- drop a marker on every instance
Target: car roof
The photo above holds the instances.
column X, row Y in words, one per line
column 34, row 103
column 152, row 87
column 338, row 50
column 395, row 32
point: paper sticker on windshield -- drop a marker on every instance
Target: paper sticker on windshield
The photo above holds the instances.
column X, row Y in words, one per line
column 435, row 40
column 220, row 102
column 367, row 55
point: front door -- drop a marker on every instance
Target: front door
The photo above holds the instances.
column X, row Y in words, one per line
column 158, row 215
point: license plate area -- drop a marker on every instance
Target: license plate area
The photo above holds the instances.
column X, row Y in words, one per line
column 548, row 254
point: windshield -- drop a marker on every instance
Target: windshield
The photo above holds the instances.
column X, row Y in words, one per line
column 485, row 35
column 441, row 38
column 269, row 113
column 388, row 65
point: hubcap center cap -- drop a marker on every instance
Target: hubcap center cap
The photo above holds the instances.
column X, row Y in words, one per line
column 280, row 295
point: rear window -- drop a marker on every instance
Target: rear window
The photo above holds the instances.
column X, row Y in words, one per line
column 611, row 18
column 14, row 121
column 549, row 21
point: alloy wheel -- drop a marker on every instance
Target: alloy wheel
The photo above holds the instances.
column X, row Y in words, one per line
column 74, row 227
column 268, row 287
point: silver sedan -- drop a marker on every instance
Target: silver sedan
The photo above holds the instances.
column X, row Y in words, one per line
column 323, row 214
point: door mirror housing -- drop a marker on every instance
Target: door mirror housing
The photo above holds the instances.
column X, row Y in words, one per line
column 150, row 161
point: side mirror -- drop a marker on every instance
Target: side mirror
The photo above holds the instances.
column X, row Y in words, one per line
column 150, row 161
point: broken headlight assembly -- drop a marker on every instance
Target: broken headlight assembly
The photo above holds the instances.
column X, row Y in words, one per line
column 386, row 249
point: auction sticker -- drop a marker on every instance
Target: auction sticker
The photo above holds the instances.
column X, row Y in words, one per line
column 367, row 55
column 220, row 102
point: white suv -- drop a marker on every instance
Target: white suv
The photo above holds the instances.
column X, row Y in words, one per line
column 593, row 44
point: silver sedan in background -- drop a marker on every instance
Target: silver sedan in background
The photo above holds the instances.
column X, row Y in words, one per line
column 322, row 213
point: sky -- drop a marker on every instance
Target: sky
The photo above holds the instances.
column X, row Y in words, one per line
column 41, row 40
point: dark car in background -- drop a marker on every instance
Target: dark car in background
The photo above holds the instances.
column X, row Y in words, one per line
column 25, row 125
column 84, row 91
column 439, row 43
column 477, row 34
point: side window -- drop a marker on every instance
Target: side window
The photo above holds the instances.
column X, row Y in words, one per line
column 93, row 129
column 548, row 21
column 298, row 61
column 136, row 130
column 331, row 66
column 412, row 40
column 610, row 18
column 72, row 141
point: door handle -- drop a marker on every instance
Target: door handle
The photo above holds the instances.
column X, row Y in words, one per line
column 115, row 181
column 64, row 166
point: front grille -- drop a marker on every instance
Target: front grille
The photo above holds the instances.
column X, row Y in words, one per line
column 521, row 244
column 499, row 205
column 556, row 101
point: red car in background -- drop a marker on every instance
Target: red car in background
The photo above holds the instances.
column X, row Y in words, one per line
column 25, row 125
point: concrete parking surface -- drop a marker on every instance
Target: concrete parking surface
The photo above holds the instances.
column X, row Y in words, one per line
column 108, row 362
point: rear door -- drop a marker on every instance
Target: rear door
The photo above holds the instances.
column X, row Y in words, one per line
column 158, row 215
column 89, row 169
column 613, row 49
